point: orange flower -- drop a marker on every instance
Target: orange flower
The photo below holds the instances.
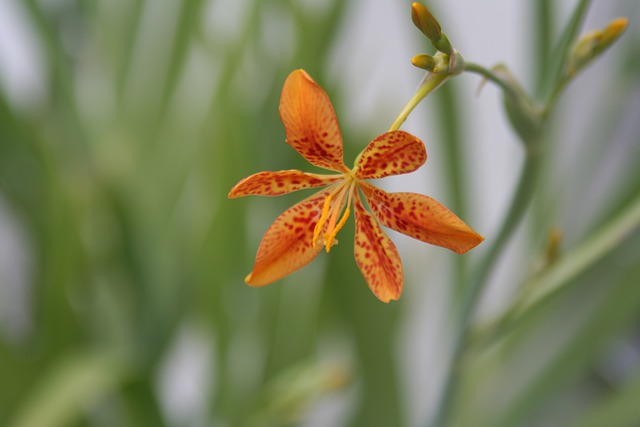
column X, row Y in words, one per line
column 299, row 234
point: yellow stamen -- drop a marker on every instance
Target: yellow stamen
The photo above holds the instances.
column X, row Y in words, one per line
column 322, row 220
column 329, row 237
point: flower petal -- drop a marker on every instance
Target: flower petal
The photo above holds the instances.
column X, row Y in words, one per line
column 422, row 218
column 287, row 244
column 281, row 182
column 391, row 153
column 310, row 122
column 377, row 257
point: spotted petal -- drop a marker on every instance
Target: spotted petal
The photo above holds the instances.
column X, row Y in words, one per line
column 391, row 153
column 287, row 244
column 281, row 182
column 377, row 257
column 422, row 218
column 310, row 122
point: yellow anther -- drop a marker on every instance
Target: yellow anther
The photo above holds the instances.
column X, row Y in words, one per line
column 323, row 218
column 329, row 237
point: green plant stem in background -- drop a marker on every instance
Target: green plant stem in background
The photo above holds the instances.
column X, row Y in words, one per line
column 489, row 75
column 597, row 245
column 450, row 118
column 543, row 12
column 58, row 398
column 519, row 203
column 554, row 278
column 551, row 84
column 553, row 74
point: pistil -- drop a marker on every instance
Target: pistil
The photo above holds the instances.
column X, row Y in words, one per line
column 331, row 209
column 331, row 233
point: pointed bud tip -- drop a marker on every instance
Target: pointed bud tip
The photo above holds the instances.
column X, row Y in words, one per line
column 614, row 29
column 593, row 44
column 425, row 22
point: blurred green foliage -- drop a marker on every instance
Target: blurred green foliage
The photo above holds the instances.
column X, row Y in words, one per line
column 117, row 177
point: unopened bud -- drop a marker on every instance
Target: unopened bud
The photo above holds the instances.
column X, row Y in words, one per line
column 424, row 61
column 613, row 31
column 424, row 20
column 554, row 240
column 430, row 27
column 591, row 45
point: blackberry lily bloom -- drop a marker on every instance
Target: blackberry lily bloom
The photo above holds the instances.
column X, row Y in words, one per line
column 299, row 234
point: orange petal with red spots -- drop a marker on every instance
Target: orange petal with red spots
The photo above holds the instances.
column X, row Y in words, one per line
column 422, row 218
column 377, row 257
column 310, row 122
column 287, row 244
column 281, row 182
column 391, row 153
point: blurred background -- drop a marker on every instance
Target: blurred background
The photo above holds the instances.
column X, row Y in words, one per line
column 123, row 125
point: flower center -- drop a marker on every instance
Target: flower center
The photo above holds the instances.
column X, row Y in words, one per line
column 331, row 211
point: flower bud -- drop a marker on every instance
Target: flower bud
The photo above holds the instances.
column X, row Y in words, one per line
column 424, row 20
column 430, row 27
column 593, row 44
column 424, row 61
column 614, row 30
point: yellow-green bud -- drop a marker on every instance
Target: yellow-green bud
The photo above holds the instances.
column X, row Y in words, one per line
column 424, row 20
column 440, row 63
column 424, row 61
column 593, row 44
column 430, row 27
column 614, row 30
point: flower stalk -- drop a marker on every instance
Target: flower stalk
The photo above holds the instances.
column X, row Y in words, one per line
column 429, row 83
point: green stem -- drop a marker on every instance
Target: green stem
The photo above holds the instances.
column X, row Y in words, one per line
column 450, row 118
column 489, row 75
column 557, row 61
column 597, row 245
column 555, row 95
column 543, row 12
column 427, row 87
column 522, row 196
column 538, row 289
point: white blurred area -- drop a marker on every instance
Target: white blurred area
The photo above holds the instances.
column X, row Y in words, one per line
column 372, row 67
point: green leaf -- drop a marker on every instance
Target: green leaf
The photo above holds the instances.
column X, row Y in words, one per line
column 78, row 381
column 609, row 308
column 619, row 410
column 596, row 246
